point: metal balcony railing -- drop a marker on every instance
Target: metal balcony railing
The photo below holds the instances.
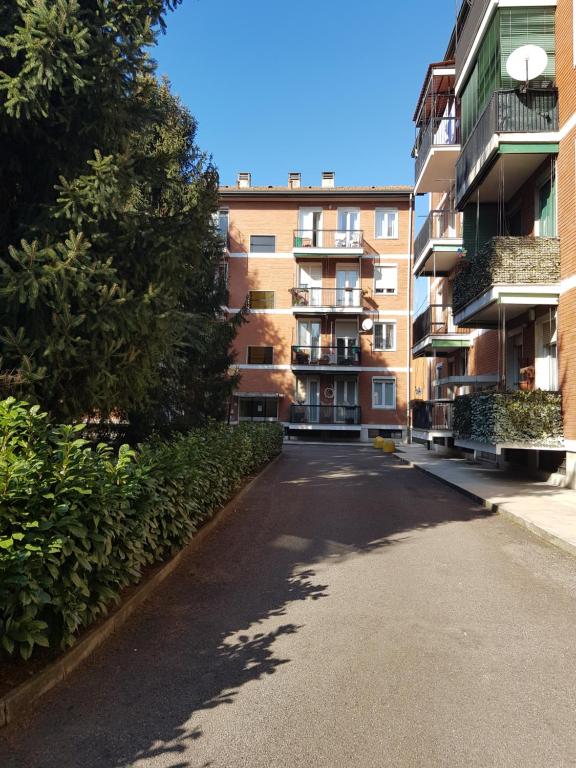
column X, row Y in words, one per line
column 325, row 414
column 334, row 356
column 433, row 415
column 437, row 132
column 508, row 111
column 333, row 239
column 439, row 225
column 327, row 297
column 435, row 319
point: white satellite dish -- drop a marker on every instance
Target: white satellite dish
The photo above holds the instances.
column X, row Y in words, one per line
column 367, row 324
column 526, row 63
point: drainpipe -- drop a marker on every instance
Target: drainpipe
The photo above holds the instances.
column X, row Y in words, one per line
column 409, row 320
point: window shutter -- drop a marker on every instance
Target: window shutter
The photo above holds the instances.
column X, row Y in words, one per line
column 527, row 26
column 378, row 336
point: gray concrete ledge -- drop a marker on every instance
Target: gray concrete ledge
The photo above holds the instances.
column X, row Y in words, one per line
column 21, row 697
column 546, row 510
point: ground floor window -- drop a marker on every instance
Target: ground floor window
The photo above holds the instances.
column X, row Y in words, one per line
column 384, row 393
column 258, row 409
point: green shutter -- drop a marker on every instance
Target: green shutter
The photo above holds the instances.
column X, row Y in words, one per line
column 547, row 208
column 527, row 26
column 486, row 224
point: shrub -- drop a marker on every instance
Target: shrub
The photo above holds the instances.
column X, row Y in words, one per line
column 79, row 523
column 497, row 417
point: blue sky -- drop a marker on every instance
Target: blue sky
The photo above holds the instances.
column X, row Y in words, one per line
column 305, row 85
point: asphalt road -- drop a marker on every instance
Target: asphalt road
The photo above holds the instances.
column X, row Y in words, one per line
column 351, row 612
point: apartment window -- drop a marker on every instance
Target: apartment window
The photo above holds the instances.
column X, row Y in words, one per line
column 384, row 336
column 386, row 223
column 221, row 222
column 384, row 393
column 262, row 243
column 261, row 299
column 260, row 355
column 385, row 279
column 258, row 409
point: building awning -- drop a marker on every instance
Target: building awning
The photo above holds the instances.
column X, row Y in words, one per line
column 259, row 395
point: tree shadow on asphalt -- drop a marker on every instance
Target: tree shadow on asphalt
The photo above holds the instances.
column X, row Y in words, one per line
column 216, row 624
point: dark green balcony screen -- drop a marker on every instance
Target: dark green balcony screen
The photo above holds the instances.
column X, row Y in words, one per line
column 509, row 29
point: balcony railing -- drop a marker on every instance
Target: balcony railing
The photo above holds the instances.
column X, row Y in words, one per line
column 437, row 132
column 331, row 239
column 433, row 415
column 435, row 319
column 507, row 261
column 439, row 225
column 325, row 414
column 530, row 418
column 534, row 111
column 333, row 356
column 327, row 297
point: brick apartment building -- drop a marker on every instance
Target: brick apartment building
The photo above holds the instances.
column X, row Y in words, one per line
column 326, row 273
column 495, row 153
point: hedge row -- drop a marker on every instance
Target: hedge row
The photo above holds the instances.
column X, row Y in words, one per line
column 507, row 417
column 78, row 523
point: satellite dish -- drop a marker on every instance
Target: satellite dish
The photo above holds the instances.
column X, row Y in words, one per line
column 527, row 62
column 367, row 324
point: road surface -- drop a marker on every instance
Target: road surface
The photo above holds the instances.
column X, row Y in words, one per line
column 352, row 612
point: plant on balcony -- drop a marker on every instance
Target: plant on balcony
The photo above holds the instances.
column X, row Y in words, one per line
column 302, row 357
column 532, row 417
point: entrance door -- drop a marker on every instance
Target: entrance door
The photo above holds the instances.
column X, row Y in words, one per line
column 348, row 226
column 313, row 400
column 309, row 338
column 311, row 278
column 311, row 227
column 346, row 334
column 345, row 400
column 347, row 285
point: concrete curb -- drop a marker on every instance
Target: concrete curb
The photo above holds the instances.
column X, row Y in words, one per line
column 491, row 506
column 21, row 697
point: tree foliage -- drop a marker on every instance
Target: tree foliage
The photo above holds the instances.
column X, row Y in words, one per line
column 109, row 295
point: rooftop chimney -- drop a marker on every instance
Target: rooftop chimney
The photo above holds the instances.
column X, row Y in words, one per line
column 328, row 179
column 294, row 179
column 244, row 180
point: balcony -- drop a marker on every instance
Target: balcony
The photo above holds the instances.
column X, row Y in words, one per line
column 507, row 277
column 508, row 142
column 320, row 416
column 496, row 420
column 436, row 151
column 438, row 245
column 435, row 335
column 315, row 358
column 338, row 300
column 470, row 17
column 432, row 417
column 327, row 242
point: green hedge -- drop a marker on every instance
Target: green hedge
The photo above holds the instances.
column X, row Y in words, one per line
column 78, row 523
column 508, row 417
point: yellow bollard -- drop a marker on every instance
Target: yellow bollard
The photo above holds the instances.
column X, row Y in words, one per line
column 378, row 442
column 388, row 446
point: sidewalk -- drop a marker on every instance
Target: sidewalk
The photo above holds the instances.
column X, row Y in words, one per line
column 547, row 511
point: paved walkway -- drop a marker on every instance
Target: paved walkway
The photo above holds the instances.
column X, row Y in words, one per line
column 546, row 510
column 351, row 612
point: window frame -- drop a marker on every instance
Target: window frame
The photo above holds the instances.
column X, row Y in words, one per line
column 254, row 400
column 394, row 324
column 259, row 346
column 385, row 293
column 384, row 407
column 251, row 250
column 383, row 212
column 261, row 309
